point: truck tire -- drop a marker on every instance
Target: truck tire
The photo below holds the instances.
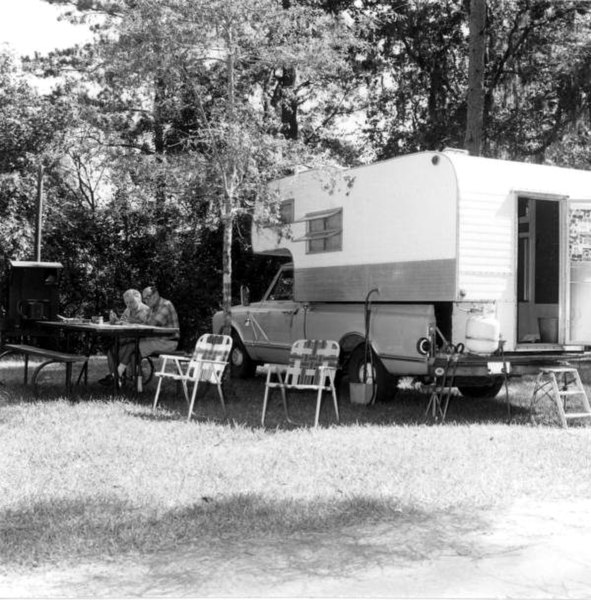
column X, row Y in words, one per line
column 386, row 387
column 488, row 390
column 241, row 365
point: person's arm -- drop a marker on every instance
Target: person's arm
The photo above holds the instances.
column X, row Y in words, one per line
column 143, row 314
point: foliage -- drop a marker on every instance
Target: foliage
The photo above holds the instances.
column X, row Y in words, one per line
column 169, row 124
column 536, row 86
column 188, row 107
column 32, row 131
column 537, row 83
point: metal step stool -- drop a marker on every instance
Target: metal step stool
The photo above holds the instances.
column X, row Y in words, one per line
column 561, row 384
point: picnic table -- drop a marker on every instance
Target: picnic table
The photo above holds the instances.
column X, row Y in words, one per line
column 114, row 331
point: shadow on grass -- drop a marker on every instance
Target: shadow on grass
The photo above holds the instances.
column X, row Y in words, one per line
column 341, row 533
column 244, row 402
column 244, row 405
column 408, row 407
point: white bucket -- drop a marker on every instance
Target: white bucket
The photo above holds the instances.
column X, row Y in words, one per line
column 483, row 332
column 360, row 393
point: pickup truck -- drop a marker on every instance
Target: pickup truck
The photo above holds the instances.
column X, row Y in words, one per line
column 380, row 342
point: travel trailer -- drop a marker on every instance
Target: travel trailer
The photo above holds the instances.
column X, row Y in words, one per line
column 423, row 256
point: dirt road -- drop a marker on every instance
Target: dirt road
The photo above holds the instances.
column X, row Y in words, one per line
column 530, row 550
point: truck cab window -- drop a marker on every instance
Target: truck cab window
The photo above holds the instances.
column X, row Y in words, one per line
column 283, row 289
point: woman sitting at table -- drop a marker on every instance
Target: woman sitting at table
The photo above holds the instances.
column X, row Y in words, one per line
column 162, row 314
column 135, row 312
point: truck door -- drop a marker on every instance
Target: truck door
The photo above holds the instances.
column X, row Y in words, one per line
column 276, row 319
column 578, row 313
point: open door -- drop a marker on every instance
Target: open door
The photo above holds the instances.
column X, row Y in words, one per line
column 538, row 270
column 578, row 325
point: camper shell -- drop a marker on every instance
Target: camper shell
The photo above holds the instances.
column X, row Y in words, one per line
column 456, row 237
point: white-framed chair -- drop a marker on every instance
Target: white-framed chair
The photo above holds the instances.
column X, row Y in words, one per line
column 205, row 365
column 312, row 366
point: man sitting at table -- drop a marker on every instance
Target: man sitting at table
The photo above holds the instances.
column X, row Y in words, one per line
column 162, row 314
column 135, row 312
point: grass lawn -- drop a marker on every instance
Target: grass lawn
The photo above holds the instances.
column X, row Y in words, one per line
column 101, row 477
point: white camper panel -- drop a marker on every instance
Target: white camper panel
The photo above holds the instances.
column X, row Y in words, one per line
column 450, row 228
column 488, row 190
column 489, row 235
column 398, row 231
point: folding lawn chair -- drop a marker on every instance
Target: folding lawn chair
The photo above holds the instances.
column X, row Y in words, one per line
column 206, row 364
column 312, row 366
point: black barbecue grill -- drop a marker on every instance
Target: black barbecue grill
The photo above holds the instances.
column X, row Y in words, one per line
column 31, row 296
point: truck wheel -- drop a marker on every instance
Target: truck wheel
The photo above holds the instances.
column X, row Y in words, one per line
column 241, row 365
column 375, row 372
column 489, row 390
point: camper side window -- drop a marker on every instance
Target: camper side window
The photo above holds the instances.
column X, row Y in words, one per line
column 325, row 233
column 286, row 211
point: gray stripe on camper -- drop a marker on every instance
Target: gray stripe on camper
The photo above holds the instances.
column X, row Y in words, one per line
column 415, row 281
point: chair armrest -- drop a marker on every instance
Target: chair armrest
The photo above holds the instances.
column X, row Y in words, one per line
column 211, row 361
column 326, row 371
column 176, row 357
column 275, row 367
column 278, row 370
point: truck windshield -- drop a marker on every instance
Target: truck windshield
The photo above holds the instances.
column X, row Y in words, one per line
column 283, row 288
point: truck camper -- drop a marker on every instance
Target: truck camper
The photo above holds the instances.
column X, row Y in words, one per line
column 424, row 256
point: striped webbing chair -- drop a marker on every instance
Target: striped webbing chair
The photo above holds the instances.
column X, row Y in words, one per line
column 312, row 366
column 206, row 364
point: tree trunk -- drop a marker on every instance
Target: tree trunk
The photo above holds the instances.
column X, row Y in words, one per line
column 475, row 97
column 227, row 267
column 289, row 104
column 284, row 97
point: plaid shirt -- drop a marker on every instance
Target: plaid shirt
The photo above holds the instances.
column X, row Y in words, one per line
column 164, row 315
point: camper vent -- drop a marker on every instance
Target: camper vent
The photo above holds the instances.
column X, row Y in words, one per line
column 324, row 230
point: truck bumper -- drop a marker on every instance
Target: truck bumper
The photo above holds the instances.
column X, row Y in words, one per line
column 516, row 364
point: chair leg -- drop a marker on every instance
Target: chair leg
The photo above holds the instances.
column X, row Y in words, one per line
column 318, row 403
column 265, row 400
column 185, row 391
column 284, row 400
column 221, row 393
column 336, row 404
column 157, row 394
column 193, row 396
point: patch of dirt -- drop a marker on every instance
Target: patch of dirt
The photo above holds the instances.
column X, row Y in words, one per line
column 530, row 550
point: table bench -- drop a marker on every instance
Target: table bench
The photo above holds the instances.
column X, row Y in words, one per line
column 51, row 356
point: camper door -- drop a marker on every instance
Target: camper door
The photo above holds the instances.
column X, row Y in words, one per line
column 578, row 326
column 539, row 282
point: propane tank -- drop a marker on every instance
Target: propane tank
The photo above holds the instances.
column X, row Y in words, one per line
column 483, row 332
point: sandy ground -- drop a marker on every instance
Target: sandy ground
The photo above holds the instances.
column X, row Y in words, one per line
column 530, row 550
